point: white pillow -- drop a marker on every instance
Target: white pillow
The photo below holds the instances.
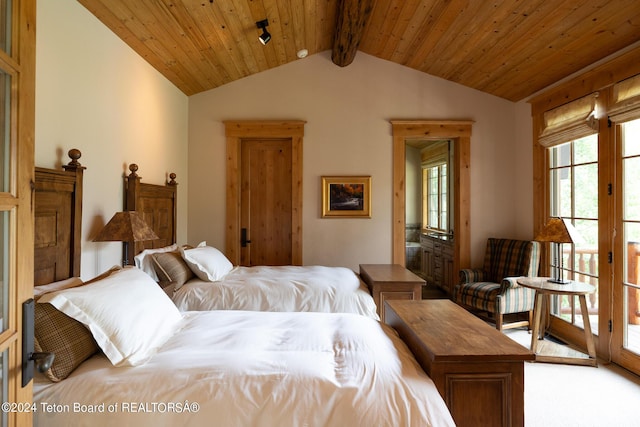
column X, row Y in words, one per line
column 127, row 313
column 207, row 263
column 145, row 263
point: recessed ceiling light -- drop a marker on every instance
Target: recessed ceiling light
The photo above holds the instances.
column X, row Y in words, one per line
column 302, row 53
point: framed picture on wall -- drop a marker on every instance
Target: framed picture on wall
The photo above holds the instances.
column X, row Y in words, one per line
column 346, row 197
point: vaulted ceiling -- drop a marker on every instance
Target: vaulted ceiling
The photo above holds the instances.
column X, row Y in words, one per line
column 508, row 48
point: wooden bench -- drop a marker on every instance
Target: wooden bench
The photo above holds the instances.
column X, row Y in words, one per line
column 390, row 281
column 478, row 371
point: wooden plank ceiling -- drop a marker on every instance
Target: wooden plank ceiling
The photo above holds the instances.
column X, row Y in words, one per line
column 508, row 48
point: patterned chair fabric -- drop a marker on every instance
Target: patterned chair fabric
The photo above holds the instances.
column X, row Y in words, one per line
column 494, row 288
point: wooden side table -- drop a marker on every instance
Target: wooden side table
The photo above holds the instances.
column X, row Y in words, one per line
column 390, row 281
column 478, row 371
column 555, row 353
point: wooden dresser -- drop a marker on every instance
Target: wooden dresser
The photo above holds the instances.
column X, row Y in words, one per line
column 390, row 281
column 478, row 371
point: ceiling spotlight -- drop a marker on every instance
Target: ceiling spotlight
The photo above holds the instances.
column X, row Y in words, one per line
column 265, row 36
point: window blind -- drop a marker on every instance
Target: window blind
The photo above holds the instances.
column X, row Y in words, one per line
column 569, row 122
column 626, row 100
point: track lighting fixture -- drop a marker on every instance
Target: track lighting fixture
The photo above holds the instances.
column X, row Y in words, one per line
column 265, row 36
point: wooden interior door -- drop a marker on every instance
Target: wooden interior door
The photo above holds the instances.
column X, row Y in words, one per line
column 238, row 131
column 266, row 209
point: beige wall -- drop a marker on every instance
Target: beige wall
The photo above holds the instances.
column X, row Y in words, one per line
column 95, row 94
column 347, row 111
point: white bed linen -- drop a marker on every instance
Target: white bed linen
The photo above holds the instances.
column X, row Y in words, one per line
column 280, row 288
column 255, row 369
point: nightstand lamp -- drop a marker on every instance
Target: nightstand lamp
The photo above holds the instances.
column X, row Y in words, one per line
column 126, row 227
column 558, row 231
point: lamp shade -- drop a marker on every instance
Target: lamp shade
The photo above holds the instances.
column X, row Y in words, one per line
column 126, row 227
column 559, row 230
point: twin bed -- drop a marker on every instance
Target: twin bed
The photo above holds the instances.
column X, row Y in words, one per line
column 203, row 279
column 125, row 354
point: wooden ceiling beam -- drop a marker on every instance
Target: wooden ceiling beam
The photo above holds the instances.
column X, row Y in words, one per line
column 350, row 24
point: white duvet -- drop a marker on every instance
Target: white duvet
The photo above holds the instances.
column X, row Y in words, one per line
column 280, row 288
column 235, row 368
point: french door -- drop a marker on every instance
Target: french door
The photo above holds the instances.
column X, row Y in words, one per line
column 626, row 301
column 573, row 195
column 17, row 115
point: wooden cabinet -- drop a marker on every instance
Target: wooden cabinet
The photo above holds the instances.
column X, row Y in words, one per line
column 428, row 258
column 390, row 282
column 437, row 262
column 478, row 371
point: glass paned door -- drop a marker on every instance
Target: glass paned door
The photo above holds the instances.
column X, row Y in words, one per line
column 630, row 147
column 17, row 125
column 5, row 235
column 573, row 192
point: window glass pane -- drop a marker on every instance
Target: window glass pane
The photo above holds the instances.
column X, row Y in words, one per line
column 631, row 137
column 5, row 128
column 586, row 149
column 586, row 250
column 5, row 26
column 4, row 392
column 560, row 192
column 4, row 269
column 631, row 185
column 632, row 246
column 586, row 192
column 444, row 185
column 561, row 155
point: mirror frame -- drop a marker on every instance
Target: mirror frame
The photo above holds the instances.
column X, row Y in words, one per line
column 458, row 131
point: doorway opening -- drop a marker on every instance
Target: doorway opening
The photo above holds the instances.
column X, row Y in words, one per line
column 459, row 135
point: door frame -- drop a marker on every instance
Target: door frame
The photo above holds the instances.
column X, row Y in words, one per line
column 459, row 131
column 235, row 132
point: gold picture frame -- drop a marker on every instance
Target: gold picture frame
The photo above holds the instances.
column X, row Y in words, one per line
column 346, row 197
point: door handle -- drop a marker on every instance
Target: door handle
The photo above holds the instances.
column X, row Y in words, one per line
column 243, row 238
column 42, row 361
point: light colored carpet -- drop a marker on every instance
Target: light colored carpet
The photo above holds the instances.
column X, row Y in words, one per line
column 578, row 396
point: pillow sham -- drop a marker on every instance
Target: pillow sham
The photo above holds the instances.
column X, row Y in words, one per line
column 107, row 273
column 71, row 282
column 127, row 313
column 171, row 270
column 145, row 263
column 68, row 339
column 207, row 262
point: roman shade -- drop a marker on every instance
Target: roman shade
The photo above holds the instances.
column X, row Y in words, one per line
column 569, row 122
column 626, row 100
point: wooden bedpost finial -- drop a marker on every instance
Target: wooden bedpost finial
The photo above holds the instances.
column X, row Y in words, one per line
column 172, row 179
column 133, row 168
column 74, row 154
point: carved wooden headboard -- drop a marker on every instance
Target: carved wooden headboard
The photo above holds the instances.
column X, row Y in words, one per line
column 158, row 206
column 58, row 221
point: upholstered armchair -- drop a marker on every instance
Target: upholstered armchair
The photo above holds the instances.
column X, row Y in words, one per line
column 493, row 290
